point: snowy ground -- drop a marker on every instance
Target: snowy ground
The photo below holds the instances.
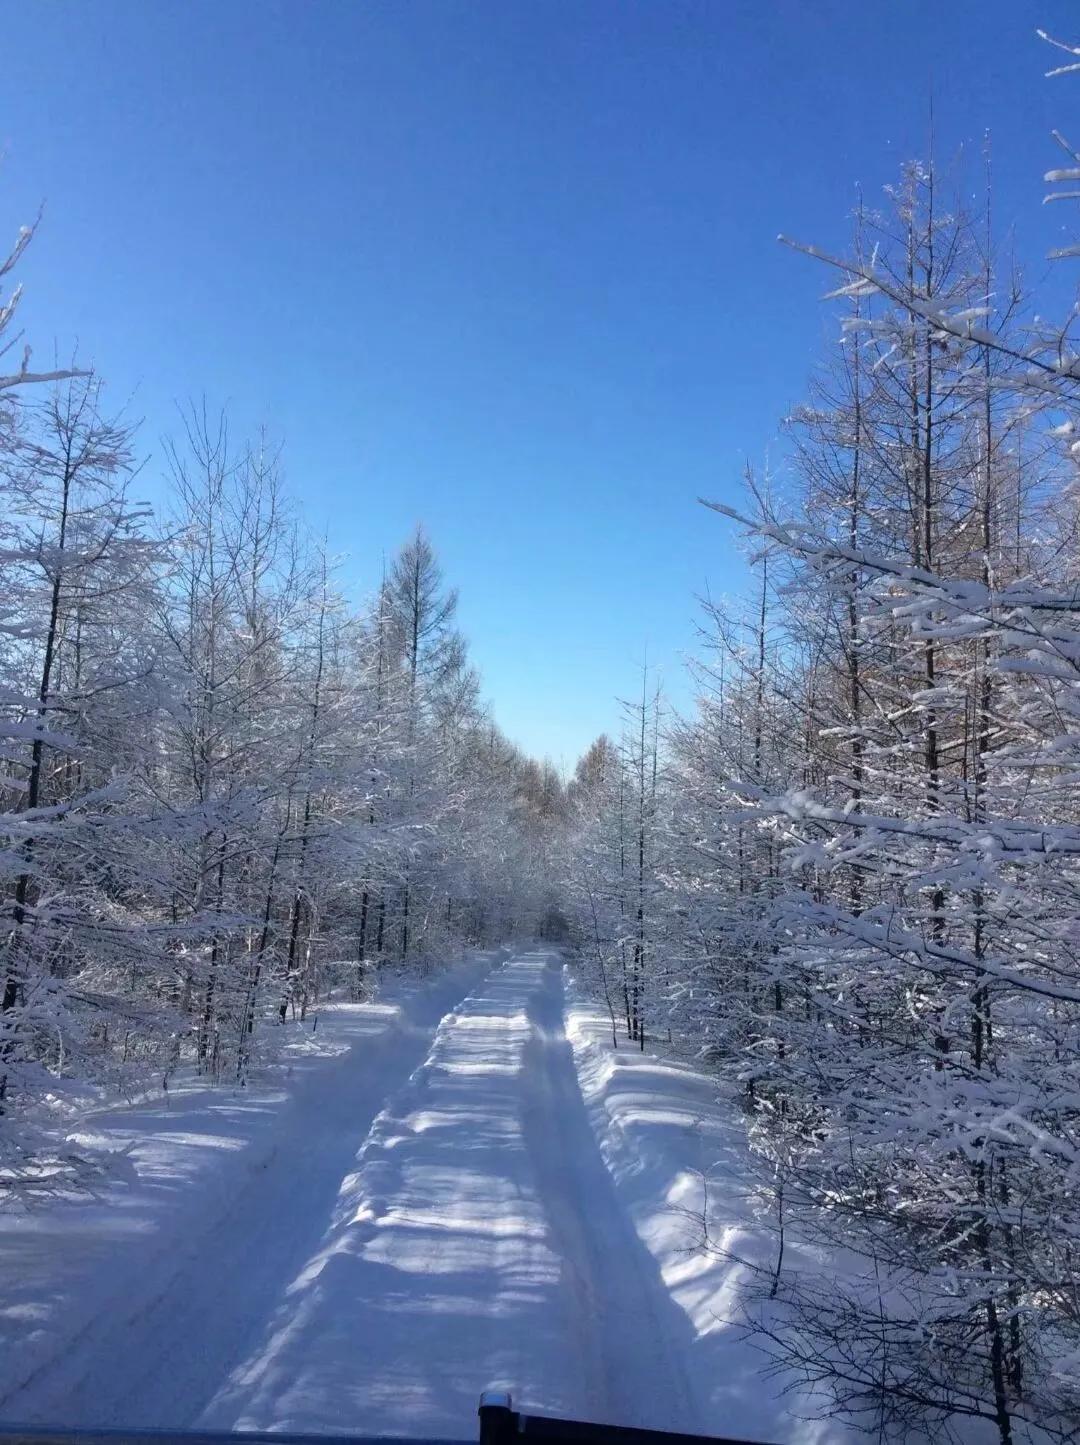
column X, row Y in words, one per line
column 437, row 1201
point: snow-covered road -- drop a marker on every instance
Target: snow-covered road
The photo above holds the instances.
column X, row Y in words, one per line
column 440, row 1201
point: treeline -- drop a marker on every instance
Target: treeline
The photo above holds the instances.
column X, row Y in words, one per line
column 222, row 788
column 850, row 879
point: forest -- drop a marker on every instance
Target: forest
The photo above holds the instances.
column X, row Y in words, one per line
column 846, row 882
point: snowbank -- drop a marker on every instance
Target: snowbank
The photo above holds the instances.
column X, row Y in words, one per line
column 677, row 1155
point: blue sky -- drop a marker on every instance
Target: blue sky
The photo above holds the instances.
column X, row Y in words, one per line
column 506, row 266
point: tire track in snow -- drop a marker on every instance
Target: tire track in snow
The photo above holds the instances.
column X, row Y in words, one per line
column 631, row 1332
column 480, row 1240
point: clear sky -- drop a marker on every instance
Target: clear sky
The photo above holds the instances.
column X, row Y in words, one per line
column 506, row 266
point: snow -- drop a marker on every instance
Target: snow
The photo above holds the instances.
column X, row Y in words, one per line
column 676, row 1155
column 458, row 1189
column 132, row 1309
